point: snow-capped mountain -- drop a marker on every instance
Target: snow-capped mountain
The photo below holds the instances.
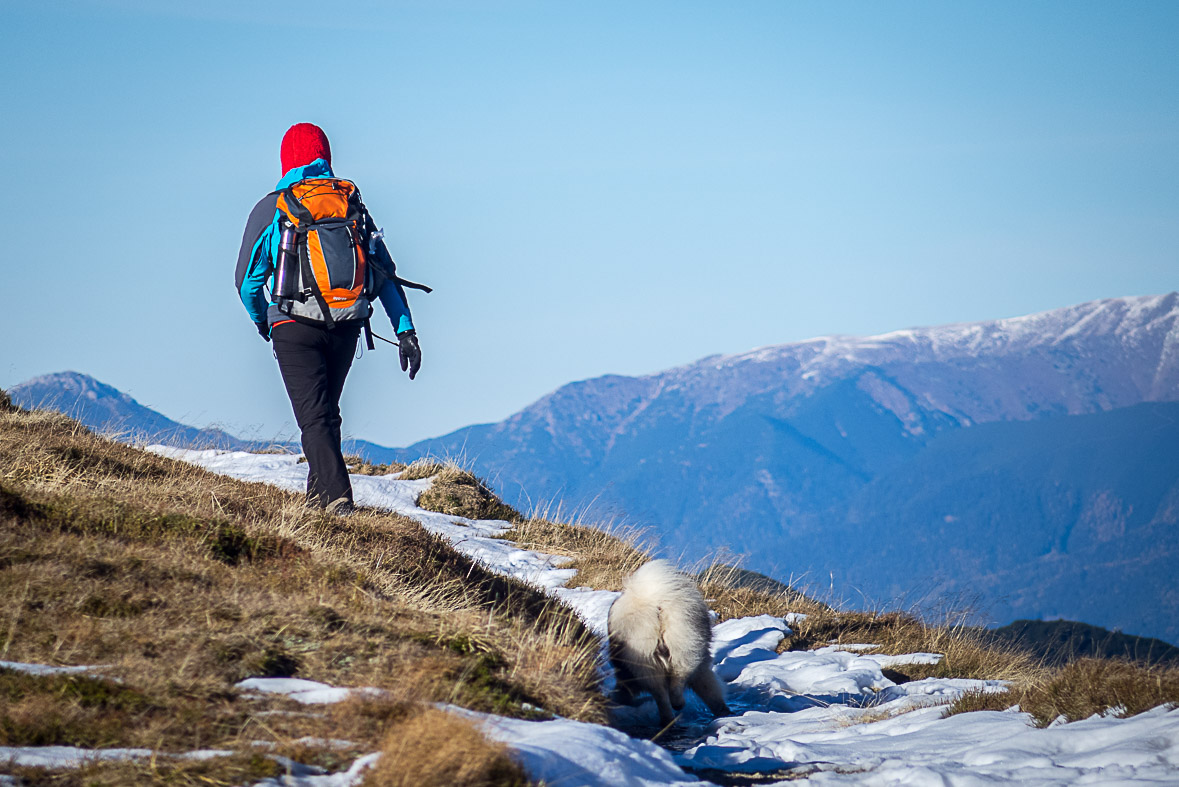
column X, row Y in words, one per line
column 1041, row 453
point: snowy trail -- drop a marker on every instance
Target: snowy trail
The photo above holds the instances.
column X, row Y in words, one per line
column 829, row 714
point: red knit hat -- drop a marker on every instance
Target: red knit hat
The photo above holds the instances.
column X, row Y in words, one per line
column 302, row 144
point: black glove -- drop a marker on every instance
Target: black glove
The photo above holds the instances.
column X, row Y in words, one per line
column 263, row 330
column 411, row 354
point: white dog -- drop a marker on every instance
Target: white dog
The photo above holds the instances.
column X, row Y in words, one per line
column 659, row 641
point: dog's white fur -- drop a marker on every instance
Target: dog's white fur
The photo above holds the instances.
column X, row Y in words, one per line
column 660, row 634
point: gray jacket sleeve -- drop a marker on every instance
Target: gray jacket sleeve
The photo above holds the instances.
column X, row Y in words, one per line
column 253, row 262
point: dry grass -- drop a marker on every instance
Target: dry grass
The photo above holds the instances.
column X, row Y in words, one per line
column 1084, row 688
column 966, row 653
column 181, row 582
column 439, row 749
column 603, row 557
column 358, row 465
column 733, row 592
column 277, row 449
column 237, row 769
column 459, row 492
column 421, row 468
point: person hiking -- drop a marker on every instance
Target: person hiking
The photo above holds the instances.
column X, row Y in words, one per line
column 312, row 243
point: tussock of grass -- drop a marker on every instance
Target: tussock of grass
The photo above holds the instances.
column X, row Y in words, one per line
column 438, row 749
column 360, row 466
column 459, row 492
column 6, row 404
column 277, row 449
column 1081, row 689
column 421, row 468
column 180, row 583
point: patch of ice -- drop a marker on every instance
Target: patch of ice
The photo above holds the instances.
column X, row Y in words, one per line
column 309, row 692
column 45, row 669
column 59, row 757
column 851, row 648
column 308, row 778
column 322, row 743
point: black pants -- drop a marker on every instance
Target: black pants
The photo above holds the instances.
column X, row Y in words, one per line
column 314, row 363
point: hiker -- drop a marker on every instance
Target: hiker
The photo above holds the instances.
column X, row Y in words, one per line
column 314, row 246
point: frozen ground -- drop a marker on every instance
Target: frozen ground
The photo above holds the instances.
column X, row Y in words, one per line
column 829, row 714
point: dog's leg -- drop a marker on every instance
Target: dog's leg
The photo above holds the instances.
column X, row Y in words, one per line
column 675, row 689
column 666, row 715
column 624, row 693
column 708, row 687
column 624, row 682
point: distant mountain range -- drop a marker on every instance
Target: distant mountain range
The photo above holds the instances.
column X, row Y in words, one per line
column 107, row 409
column 1027, row 466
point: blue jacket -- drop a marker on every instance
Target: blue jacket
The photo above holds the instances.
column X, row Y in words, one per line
column 259, row 250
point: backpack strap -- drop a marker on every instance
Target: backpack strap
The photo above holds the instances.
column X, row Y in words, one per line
column 295, row 209
column 368, row 333
column 411, row 284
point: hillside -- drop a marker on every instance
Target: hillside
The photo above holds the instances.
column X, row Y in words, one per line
column 1043, row 443
column 168, row 624
column 1062, row 641
column 179, row 584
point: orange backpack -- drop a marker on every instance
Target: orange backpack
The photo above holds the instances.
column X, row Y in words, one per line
column 322, row 273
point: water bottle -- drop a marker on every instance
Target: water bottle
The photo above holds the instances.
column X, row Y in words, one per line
column 286, row 278
column 373, row 239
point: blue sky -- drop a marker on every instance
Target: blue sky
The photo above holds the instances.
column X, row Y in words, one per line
column 592, row 188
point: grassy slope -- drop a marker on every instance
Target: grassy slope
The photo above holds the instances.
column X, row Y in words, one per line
column 181, row 583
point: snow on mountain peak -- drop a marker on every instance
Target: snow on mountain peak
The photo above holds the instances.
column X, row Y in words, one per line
column 1114, row 351
column 1112, row 316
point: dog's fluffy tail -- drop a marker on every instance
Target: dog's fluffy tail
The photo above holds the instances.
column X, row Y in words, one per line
column 662, row 613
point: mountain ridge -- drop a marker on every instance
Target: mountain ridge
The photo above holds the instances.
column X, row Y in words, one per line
column 774, row 447
column 105, row 407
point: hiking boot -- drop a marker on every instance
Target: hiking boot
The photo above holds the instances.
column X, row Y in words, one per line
column 341, row 506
